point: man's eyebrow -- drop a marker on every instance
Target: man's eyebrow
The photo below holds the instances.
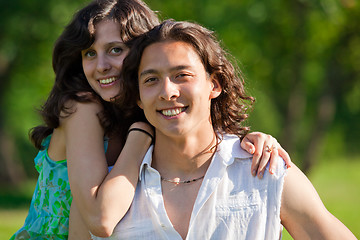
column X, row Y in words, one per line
column 152, row 71
column 148, row 71
column 180, row 67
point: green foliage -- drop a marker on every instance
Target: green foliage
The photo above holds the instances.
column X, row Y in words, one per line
column 295, row 55
column 29, row 34
column 300, row 58
column 16, row 196
column 29, row 30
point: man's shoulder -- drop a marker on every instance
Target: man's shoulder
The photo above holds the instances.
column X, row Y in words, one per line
column 231, row 152
column 231, row 143
column 229, row 147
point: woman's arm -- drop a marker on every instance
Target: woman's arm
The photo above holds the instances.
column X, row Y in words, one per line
column 77, row 228
column 264, row 148
column 102, row 198
column 304, row 215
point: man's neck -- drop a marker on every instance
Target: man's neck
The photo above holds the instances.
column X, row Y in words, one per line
column 183, row 157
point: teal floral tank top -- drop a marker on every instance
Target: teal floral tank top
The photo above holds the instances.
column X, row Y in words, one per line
column 48, row 216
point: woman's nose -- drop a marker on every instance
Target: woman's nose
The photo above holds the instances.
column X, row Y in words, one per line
column 103, row 65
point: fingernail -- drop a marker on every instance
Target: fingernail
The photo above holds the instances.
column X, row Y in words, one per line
column 254, row 173
column 252, row 150
column 261, row 174
column 271, row 171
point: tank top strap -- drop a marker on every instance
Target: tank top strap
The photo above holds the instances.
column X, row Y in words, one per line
column 39, row 159
column 46, row 142
column 106, row 143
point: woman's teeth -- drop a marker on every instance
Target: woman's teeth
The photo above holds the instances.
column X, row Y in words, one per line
column 107, row 80
column 172, row 112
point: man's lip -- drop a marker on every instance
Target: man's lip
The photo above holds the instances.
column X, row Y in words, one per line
column 169, row 112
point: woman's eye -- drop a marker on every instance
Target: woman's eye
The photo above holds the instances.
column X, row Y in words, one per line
column 90, row 54
column 116, row 50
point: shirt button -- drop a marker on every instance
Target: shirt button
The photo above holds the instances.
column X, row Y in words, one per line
column 163, row 226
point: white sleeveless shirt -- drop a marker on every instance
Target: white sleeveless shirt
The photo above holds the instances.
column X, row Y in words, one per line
column 231, row 203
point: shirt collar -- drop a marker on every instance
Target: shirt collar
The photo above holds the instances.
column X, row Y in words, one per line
column 229, row 149
column 147, row 160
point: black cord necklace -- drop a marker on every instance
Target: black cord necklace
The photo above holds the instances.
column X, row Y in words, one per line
column 179, row 182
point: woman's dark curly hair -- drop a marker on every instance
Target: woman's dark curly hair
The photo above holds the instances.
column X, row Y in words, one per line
column 134, row 18
column 228, row 110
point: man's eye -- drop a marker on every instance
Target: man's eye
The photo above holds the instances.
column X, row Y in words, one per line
column 150, row 79
column 182, row 75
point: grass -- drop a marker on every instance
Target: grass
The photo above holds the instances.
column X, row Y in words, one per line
column 337, row 182
column 14, row 205
column 10, row 221
column 339, row 188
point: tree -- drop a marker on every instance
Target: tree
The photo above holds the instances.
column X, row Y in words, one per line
column 301, row 59
column 28, row 31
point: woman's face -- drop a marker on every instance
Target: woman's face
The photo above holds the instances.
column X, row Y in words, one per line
column 102, row 61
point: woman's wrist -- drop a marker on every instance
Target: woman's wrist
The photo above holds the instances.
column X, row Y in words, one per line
column 143, row 131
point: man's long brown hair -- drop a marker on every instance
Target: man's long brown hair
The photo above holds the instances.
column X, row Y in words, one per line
column 228, row 111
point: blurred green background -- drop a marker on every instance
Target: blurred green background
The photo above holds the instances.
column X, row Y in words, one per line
column 301, row 59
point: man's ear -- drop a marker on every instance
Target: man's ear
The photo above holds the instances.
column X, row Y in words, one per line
column 216, row 87
column 139, row 103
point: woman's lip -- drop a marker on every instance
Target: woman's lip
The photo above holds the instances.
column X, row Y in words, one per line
column 104, row 83
column 108, row 80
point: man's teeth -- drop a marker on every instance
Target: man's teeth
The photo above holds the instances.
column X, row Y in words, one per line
column 172, row 112
column 108, row 80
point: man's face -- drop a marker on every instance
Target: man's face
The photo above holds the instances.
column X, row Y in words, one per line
column 175, row 90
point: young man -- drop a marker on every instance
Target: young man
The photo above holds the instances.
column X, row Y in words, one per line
column 195, row 181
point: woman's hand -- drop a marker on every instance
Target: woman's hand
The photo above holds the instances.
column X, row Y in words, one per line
column 264, row 148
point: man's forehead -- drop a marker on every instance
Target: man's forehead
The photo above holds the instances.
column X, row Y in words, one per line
column 173, row 55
